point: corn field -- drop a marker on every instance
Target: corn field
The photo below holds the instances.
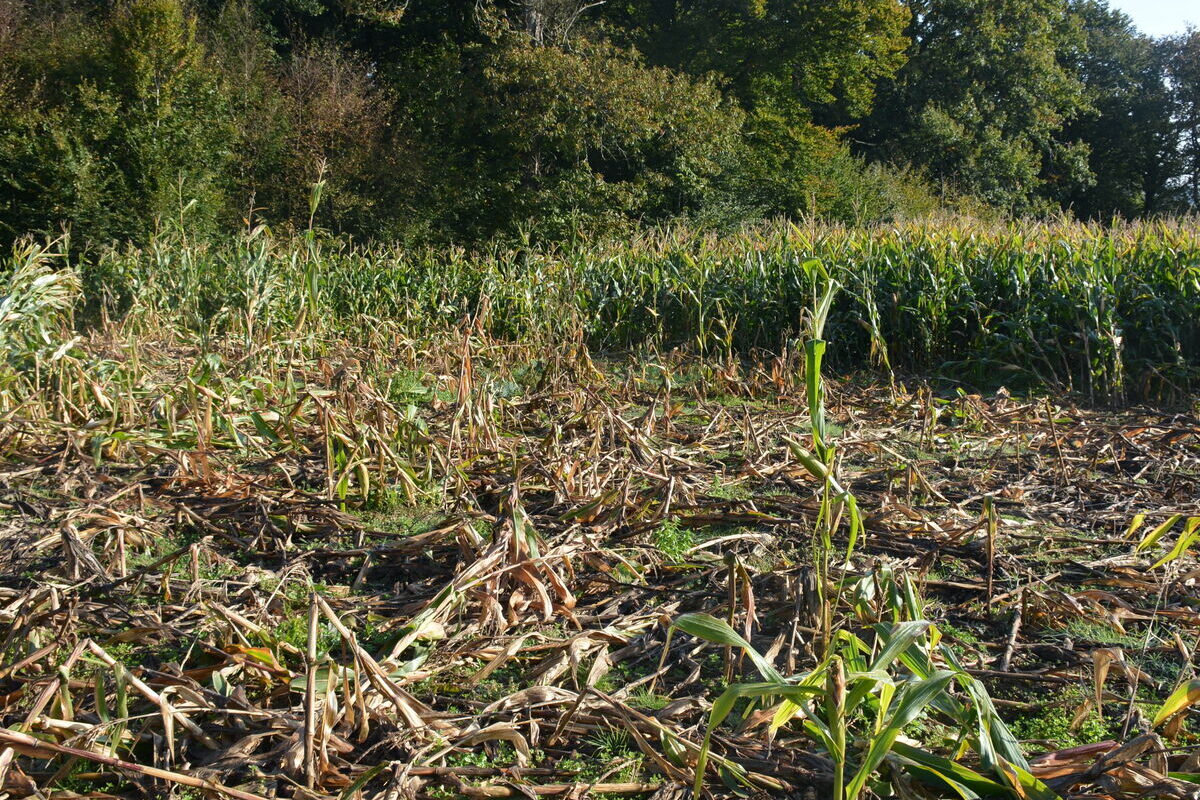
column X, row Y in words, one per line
column 793, row 512
column 1111, row 313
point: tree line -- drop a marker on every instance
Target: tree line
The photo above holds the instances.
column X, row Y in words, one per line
column 466, row 120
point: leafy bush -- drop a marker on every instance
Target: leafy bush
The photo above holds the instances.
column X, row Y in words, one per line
column 115, row 129
column 561, row 140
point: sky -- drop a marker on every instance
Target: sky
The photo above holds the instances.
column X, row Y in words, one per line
column 1161, row 17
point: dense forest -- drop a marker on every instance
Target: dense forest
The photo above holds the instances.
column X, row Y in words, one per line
column 464, row 121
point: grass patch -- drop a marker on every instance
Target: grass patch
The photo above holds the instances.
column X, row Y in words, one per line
column 673, row 540
column 1051, row 727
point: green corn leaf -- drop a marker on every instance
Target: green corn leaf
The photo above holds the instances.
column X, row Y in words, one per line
column 814, row 350
column 122, row 701
column 352, row 791
column 673, row 749
column 101, row 700
column 711, row 629
column 897, row 639
column 723, row 707
column 855, row 524
column 264, row 428
column 966, row 782
column 910, row 703
column 996, row 742
column 1024, row 784
column 994, row 736
column 1190, row 777
column 1135, row 525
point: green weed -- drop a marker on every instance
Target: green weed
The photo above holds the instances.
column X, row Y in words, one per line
column 673, row 540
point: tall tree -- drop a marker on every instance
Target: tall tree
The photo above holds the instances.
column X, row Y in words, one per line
column 1131, row 136
column 515, row 128
column 1184, row 71
column 811, row 53
column 113, row 126
column 803, row 70
column 984, row 98
column 173, row 139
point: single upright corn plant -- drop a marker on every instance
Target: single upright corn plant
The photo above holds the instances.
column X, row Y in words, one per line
column 820, row 460
column 866, row 690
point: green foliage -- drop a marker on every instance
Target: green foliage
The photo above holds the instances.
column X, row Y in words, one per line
column 673, row 540
column 293, row 630
column 796, row 168
column 1183, row 70
column 1128, row 129
column 35, row 300
column 794, row 56
column 613, row 746
column 118, row 128
column 859, row 700
column 822, row 65
column 1107, row 312
column 553, row 120
column 335, row 131
column 1054, row 725
column 174, row 126
column 135, row 123
column 461, row 125
column 562, row 140
column 984, row 97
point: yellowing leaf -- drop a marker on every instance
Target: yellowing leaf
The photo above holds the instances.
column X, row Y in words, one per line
column 1135, row 525
column 1153, row 536
column 1182, row 698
